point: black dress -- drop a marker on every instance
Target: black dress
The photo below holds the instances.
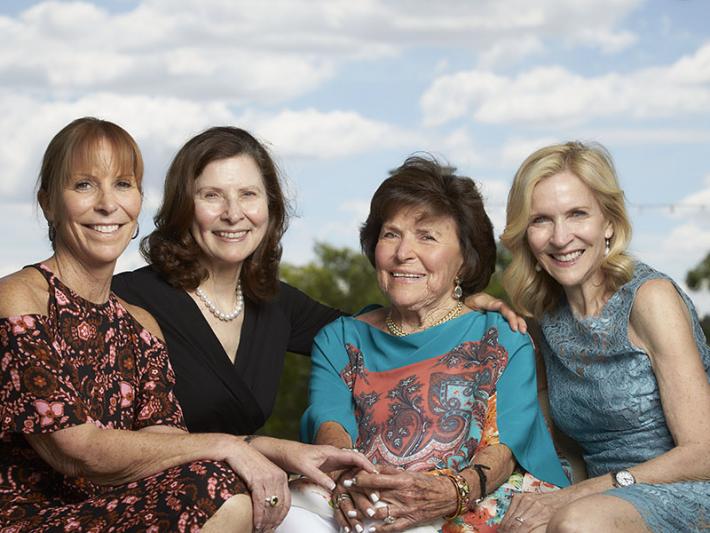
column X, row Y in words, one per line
column 217, row 395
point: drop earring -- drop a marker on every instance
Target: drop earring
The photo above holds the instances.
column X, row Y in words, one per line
column 458, row 291
column 607, row 246
column 538, row 268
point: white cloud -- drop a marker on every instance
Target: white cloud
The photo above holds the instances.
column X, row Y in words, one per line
column 272, row 51
column 317, row 134
column 555, row 96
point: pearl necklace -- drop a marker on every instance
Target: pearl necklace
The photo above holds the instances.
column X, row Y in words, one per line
column 210, row 305
column 397, row 331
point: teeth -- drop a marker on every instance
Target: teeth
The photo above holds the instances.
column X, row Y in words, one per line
column 231, row 234
column 568, row 257
column 405, row 275
column 105, row 228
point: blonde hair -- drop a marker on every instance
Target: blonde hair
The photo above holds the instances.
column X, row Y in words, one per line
column 534, row 293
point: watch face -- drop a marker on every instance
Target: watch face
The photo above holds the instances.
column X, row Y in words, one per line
column 624, row 478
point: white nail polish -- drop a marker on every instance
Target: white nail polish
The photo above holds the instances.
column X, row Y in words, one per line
column 370, row 512
column 372, row 528
column 374, row 498
column 347, row 483
column 359, row 528
column 352, row 514
column 346, row 529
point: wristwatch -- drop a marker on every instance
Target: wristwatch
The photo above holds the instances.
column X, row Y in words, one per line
column 622, row 478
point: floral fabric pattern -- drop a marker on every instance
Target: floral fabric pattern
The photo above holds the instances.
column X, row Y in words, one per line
column 90, row 363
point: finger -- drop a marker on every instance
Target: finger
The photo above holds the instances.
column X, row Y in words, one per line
column 379, row 482
column 319, row 477
column 257, row 506
column 358, row 459
column 349, row 513
column 363, row 505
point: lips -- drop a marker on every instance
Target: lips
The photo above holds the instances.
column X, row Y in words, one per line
column 568, row 257
column 104, row 228
column 238, row 234
column 406, row 275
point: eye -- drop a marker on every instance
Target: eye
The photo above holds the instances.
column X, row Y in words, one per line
column 210, row 195
column 82, row 185
column 388, row 234
column 579, row 213
column 249, row 194
column 538, row 219
column 428, row 237
column 125, row 183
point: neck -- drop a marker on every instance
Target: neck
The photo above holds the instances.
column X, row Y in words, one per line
column 221, row 284
column 91, row 283
column 589, row 298
column 417, row 319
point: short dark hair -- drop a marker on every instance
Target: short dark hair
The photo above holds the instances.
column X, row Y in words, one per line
column 424, row 183
column 171, row 248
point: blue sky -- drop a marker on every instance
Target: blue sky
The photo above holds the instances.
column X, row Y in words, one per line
column 343, row 91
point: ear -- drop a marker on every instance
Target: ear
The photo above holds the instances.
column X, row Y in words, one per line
column 609, row 231
column 43, row 201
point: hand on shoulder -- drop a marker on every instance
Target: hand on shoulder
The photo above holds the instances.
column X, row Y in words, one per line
column 23, row 293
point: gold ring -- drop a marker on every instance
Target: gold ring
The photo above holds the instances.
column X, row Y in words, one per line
column 272, row 501
column 340, row 498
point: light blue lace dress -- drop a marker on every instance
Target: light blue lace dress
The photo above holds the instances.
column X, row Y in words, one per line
column 604, row 394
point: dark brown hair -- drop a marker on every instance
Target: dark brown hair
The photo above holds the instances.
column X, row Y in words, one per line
column 76, row 144
column 423, row 182
column 171, row 248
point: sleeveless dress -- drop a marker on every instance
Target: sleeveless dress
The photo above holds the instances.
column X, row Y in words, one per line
column 603, row 393
column 87, row 362
column 433, row 399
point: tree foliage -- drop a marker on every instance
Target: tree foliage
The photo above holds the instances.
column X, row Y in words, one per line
column 699, row 277
column 342, row 278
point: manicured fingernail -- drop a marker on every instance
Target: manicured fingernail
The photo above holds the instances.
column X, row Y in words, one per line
column 374, row 498
column 359, row 528
column 372, row 528
column 331, row 485
column 346, row 529
column 347, row 483
column 370, row 512
column 352, row 514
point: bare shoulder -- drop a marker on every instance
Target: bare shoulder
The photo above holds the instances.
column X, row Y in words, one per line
column 144, row 318
column 658, row 310
column 23, row 293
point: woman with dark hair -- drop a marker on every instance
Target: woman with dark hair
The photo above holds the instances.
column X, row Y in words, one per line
column 442, row 399
column 91, row 436
column 212, row 283
column 628, row 366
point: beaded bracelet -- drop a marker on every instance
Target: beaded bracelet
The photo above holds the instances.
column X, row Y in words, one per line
column 463, row 492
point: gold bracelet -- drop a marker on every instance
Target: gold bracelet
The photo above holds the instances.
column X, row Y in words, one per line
column 463, row 493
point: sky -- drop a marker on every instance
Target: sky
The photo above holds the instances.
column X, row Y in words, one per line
column 342, row 91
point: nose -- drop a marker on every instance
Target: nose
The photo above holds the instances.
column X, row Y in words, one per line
column 107, row 201
column 561, row 234
column 232, row 211
column 404, row 250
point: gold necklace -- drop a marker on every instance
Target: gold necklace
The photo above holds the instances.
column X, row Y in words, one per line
column 397, row 331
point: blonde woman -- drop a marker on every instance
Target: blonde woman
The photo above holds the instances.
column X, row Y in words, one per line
column 627, row 363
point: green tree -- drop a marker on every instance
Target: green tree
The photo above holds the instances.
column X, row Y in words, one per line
column 699, row 279
column 344, row 279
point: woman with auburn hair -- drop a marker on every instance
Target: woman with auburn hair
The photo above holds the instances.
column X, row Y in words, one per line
column 212, row 282
column 627, row 364
column 91, row 435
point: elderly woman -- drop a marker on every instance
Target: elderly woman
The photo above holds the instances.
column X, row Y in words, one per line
column 212, row 282
column 627, row 363
column 441, row 398
column 91, row 436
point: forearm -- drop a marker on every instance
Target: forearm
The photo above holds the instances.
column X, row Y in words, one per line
column 112, row 457
column 334, row 434
column 500, row 462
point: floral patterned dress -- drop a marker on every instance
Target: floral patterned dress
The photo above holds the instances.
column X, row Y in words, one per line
column 92, row 363
column 433, row 399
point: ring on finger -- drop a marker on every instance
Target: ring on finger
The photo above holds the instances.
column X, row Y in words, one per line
column 519, row 519
column 389, row 519
column 272, row 501
column 340, row 498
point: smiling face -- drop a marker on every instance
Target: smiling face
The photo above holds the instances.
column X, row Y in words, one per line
column 416, row 260
column 567, row 230
column 99, row 208
column 231, row 211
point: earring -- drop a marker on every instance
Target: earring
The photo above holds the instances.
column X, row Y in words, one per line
column 607, row 246
column 51, row 232
column 538, row 268
column 138, row 230
column 458, row 291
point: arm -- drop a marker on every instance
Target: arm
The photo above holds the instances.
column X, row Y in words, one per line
column 482, row 301
column 685, row 395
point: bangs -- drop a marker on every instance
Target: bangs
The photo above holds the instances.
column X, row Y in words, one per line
column 125, row 159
